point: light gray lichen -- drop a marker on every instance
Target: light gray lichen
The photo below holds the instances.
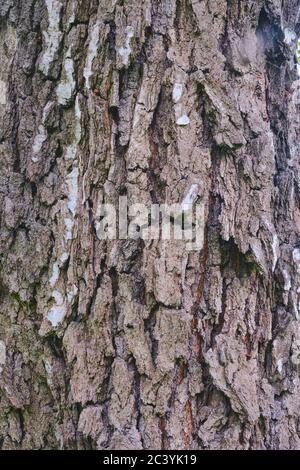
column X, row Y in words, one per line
column 91, row 53
column 126, row 50
column 66, row 88
column 3, row 92
column 52, row 36
column 183, row 120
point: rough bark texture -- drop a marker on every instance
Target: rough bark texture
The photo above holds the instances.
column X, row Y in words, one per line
column 135, row 344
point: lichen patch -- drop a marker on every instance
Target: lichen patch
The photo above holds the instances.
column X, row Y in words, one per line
column 52, row 36
column 3, row 92
column 183, row 120
column 91, row 54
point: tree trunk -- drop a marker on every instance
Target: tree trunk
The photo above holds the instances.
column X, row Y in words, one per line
column 144, row 344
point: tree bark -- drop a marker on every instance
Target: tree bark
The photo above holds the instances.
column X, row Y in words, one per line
column 133, row 344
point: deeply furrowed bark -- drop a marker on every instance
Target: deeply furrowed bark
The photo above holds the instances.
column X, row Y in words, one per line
column 142, row 344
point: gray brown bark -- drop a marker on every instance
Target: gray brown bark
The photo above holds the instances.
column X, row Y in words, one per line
column 136, row 344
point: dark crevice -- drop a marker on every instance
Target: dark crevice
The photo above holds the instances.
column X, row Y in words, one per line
column 149, row 326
